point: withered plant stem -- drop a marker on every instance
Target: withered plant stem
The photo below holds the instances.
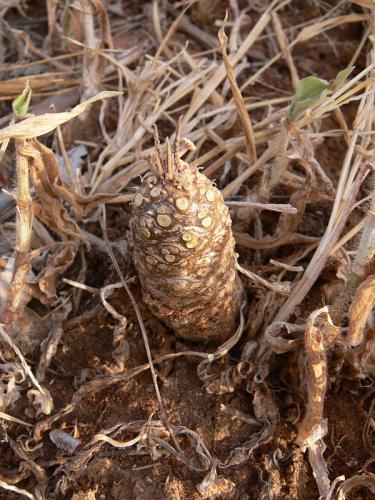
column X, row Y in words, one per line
column 24, row 232
column 238, row 99
column 24, row 201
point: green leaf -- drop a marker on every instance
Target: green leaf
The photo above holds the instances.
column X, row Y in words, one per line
column 21, row 104
column 342, row 77
column 309, row 91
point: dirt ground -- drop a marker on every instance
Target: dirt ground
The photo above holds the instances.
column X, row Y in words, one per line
column 229, row 449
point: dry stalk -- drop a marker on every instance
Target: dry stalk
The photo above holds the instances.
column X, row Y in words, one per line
column 285, row 50
column 359, row 311
column 245, row 118
column 320, row 333
column 24, row 231
column 38, row 162
column 15, row 302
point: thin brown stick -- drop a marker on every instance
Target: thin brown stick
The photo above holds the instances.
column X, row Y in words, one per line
column 238, row 99
column 158, row 153
column 169, row 161
column 176, row 145
column 285, row 49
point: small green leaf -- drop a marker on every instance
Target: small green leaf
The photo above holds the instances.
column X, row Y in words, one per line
column 309, row 91
column 342, row 77
column 21, row 104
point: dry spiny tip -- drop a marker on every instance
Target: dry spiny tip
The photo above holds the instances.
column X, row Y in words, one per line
column 183, row 248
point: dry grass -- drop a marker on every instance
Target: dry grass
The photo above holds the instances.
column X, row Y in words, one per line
column 303, row 219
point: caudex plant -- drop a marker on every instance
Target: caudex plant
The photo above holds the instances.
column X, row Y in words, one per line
column 184, row 247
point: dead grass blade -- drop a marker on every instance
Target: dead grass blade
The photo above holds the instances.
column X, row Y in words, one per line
column 121, row 352
column 214, row 486
column 163, row 47
column 203, row 369
column 319, row 27
column 12, row 88
column 313, row 427
column 60, row 257
column 43, row 124
column 238, row 99
column 282, row 288
column 285, row 208
column 15, row 489
column 266, row 413
column 359, row 311
column 93, row 64
column 43, row 425
column 268, row 242
column 202, row 95
column 284, row 47
column 9, row 418
column 229, row 379
column 152, row 439
column 275, row 148
column 275, row 337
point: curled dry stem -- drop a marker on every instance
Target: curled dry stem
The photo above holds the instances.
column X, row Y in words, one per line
column 42, row 395
column 320, row 333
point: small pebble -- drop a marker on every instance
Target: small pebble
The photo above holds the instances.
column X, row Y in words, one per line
column 63, row 440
